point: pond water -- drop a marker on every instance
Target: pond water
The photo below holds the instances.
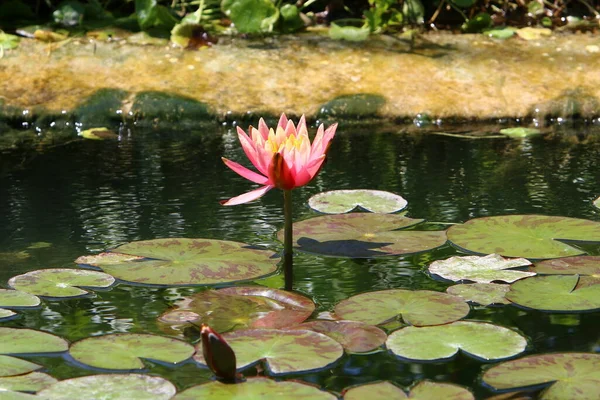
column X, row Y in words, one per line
column 88, row 196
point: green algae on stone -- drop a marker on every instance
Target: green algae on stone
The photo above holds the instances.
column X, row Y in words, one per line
column 103, row 108
column 353, row 106
column 156, row 107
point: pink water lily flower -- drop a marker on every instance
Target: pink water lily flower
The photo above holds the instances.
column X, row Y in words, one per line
column 285, row 158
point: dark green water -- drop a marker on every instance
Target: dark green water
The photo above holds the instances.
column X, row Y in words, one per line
column 89, row 196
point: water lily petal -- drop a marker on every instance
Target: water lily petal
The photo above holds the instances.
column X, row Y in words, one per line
column 245, row 172
column 280, row 174
column 247, row 197
column 282, row 121
column 251, row 151
column 263, row 129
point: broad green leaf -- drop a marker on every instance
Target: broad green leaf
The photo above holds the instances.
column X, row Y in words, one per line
column 99, row 134
column 557, row 293
column 251, row 16
column 570, row 375
column 16, row 298
column 529, row 236
column 282, row 351
column 580, row 265
column 349, row 33
column 32, row 382
column 8, row 41
column 15, row 366
column 478, row 339
column 363, row 235
column 152, row 15
column 60, row 282
column 414, row 11
column 478, row 23
column 480, row 269
column 191, row 262
column 482, row 293
column 424, row 390
column 255, row 388
column 69, row 13
column 24, row 341
column 420, row 307
column 520, row 132
column 343, row 201
column 111, row 387
column 240, row 307
column 123, row 351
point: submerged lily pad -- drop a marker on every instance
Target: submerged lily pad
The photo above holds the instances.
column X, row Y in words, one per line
column 16, row 298
column 571, row 375
column 15, row 366
column 423, row 390
column 240, row 308
column 25, row 341
column 581, row 265
column 255, row 388
column 111, row 387
column 520, row 132
column 529, row 236
column 481, row 293
column 282, row 351
column 123, row 351
column 60, row 282
column 363, row 235
column 482, row 340
column 480, row 269
column 191, row 262
column 32, row 382
column 343, row 201
column 557, row 293
column 420, row 307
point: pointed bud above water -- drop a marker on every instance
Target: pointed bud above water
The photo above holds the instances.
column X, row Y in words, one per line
column 219, row 356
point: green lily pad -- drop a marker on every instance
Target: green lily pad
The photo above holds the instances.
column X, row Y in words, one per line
column 362, row 235
column 123, row 351
column 255, row 388
column 6, row 313
column 480, row 269
column 16, row 298
column 557, row 293
column 240, row 308
column 15, row 366
column 191, row 262
column 529, row 236
column 580, row 265
column 481, row 293
column 481, row 340
column 597, row 202
column 343, row 201
column 424, row 390
column 282, row 351
column 101, row 259
column 99, row 134
column 111, row 387
column 519, row 132
column 355, row 337
column 32, row 382
column 25, row 341
column 420, row 307
column 571, row 375
column 60, row 282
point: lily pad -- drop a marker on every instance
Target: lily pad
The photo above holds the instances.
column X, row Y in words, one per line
column 343, row 201
column 106, row 258
column 99, row 134
column 6, row 313
column 25, row 341
column 15, row 366
column 363, row 235
column 255, row 388
column 282, row 351
column 123, row 351
column 424, row 390
column 520, row 132
column 481, row 340
column 581, row 265
column 597, row 202
column 240, row 308
column 557, row 293
column 17, row 299
column 60, row 282
column 32, row 382
column 420, row 307
column 481, row 293
column 111, row 387
column 480, row 269
column 192, row 262
column 355, row 337
column 529, row 236
column 571, row 375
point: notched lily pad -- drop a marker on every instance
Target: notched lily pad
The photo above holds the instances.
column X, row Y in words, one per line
column 191, row 262
column 123, row 351
column 60, row 282
column 255, row 388
column 420, row 307
column 422, row 390
column 481, row 293
column 580, row 265
column 15, row 366
column 343, row 201
column 241, row 307
column 529, row 236
column 32, row 382
column 557, row 293
column 111, row 387
column 282, row 351
column 570, row 375
column 481, row 340
column 363, row 235
column 492, row 267
column 25, row 341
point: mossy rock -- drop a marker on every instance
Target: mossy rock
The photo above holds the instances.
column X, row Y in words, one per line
column 101, row 108
column 568, row 105
column 355, row 106
column 157, row 107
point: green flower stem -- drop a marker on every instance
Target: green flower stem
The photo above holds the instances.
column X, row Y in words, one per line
column 288, row 261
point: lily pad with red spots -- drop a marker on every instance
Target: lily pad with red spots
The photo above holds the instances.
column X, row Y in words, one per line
column 343, row 201
column 191, row 262
column 60, row 282
column 255, row 388
column 240, row 307
column 15, row 366
column 487, row 269
column 580, row 265
column 423, row 390
column 282, row 351
column 363, row 235
column 419, row 307
column 28, row 341
column 478, row 339
column 31, row 382
column 481, row 293
column 569, row 375
column 125, row 351
column 529, row 236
